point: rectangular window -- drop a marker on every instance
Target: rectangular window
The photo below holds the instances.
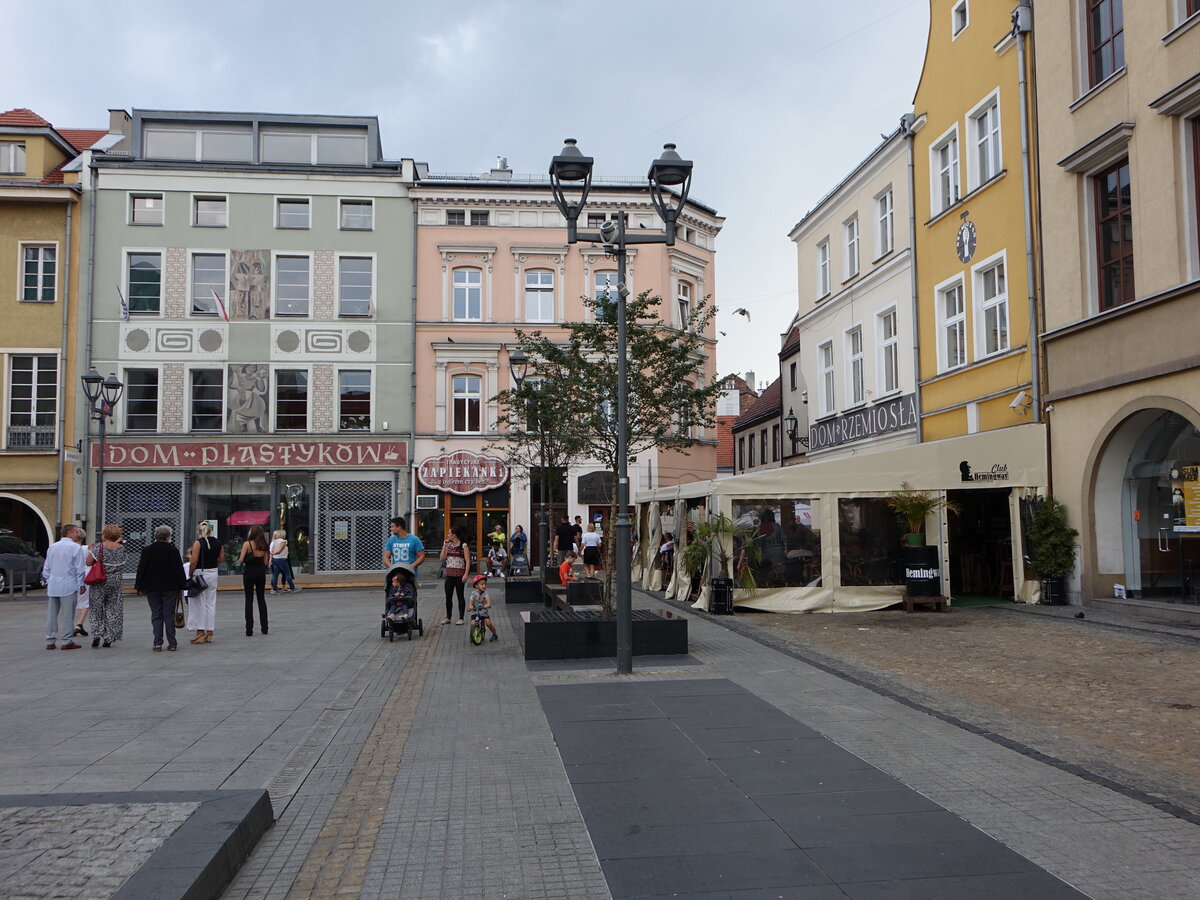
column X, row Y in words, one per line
column 1114, row 235
column 792, row 375
column 468, row 403
column 292, row 285
column 1106, row 38
column 39, row 273
column 456, row 217
column 210, row 212
column 751, row 461
column 991, row 287
column 468, row 295
column 953, row 315
column 1195, row 123
column 479, row 217
column 776, row 444
column 145, row 209
column 854, row 349
column 986, row 126
column 286, row 147
column 947, row 188
column 226, row 145
column 293, row 212
column 596, row 219
column 342, row 149
column 959, row 18
column 762, row 446
column 144, row 282
column 208, row 278
column 885, row 229
column 291, row 400
column 354, row 400
column 851, row 232
column 741, row 463
column 889, row 353
column 32, row 402
column 539, row 295
column 683, row 300
column 356, row 286
column 12, row 157
column 824, row 285
column 141, row 400
column 356, row 215
column 828, row 401
column 788, row 533
column 208, row 400
column 870, row 535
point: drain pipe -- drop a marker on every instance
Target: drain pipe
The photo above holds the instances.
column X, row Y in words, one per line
column 411, row 487
column 62, row 375
column 909, row 128
column 89, row 195
column 1022, row 19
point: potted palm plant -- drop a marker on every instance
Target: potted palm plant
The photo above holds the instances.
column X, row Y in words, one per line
column 713, row 538
column 922, row 576
column 1052, row 549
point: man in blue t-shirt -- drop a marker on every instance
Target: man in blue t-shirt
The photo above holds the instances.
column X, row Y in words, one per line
column 402, row 548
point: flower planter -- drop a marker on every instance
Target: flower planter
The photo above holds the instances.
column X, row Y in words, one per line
column 523, row 589
column 589, row 635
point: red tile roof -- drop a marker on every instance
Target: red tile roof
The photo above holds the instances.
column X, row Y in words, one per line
column 768, row 402
column 82, row 138
column 725, row 441
column 23, row 118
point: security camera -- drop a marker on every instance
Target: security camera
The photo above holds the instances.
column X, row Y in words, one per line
column 608, row 231
column 1019, row 400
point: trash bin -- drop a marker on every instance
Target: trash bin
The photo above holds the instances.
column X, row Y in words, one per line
column 720, row 602
column 922, row 577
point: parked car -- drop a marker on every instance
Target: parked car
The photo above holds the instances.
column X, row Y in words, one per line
column 18, row 562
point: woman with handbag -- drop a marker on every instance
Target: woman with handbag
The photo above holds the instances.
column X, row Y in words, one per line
column 457, row 558
column 256, row 561
column 204, row 561
column 107, row 614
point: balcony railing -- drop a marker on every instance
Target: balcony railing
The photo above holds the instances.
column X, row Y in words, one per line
column 34, row 437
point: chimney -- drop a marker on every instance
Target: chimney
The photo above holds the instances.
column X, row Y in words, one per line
column 749, row 379
column 501, row 172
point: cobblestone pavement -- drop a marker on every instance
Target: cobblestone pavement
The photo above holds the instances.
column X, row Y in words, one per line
column 80, row 852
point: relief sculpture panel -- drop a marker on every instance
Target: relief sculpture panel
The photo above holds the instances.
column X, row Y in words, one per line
column 249, row 284
column 248, row 399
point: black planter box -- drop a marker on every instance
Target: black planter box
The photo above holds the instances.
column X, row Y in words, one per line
column 585, row 593
column 588, row 635
column 524, row 589
column 1054, row 591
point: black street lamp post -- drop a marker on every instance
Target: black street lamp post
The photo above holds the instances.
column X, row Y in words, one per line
column 518, row 366
column 670, row 179
column 102, row 394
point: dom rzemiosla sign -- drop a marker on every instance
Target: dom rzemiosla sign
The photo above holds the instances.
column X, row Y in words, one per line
column 871, row 421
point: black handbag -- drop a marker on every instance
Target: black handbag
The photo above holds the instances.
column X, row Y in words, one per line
column 196, row 584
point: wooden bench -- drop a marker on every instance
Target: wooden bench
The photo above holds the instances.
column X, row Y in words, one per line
column 939, row 603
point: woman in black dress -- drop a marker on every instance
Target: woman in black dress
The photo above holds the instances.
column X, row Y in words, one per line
column 256, row 561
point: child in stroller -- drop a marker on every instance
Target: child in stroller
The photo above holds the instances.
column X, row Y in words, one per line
column 400, row 609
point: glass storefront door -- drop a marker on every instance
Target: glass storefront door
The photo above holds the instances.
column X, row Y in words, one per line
column 232, row 503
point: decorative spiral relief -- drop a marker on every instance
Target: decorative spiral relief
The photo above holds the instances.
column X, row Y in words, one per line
column 172, row 341
column 323, row 341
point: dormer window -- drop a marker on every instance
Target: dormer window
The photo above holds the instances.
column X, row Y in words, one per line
column 12, row 157
column 305, row 147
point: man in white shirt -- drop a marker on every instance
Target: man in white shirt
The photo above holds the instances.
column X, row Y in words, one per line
column 63, row 570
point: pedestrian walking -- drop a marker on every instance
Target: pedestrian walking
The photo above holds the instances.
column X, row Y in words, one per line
column 204, row 559
column 160, row 578
column 591, row 551
column 456, row 555
column 66, row 564
column 255, row 559
column 564, row 538
column 281, row 566
column 107, row 616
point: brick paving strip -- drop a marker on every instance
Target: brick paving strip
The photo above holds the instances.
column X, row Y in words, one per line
column 337, row 863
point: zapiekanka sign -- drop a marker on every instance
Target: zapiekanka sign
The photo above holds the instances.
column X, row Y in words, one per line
column 462, row 472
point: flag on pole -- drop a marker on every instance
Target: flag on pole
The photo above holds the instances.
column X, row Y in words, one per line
column 370, row 308
column 124, row 305
column 220, row 305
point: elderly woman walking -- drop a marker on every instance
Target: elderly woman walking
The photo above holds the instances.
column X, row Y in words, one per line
column 107, row 616
column 160, row 578
column 205, row 560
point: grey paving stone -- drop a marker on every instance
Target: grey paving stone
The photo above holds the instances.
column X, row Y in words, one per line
column 694, row 875
column 690, row 839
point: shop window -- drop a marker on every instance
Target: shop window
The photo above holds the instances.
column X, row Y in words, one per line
column 291, row 400
column 141, row 400
column 208, row 400
column 787, row 533
column 869, row 535
column 467, row 404
column 354, row 400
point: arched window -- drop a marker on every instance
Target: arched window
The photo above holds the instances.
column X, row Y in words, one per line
column 539, row 295
column 468, row 293
column 468, row 404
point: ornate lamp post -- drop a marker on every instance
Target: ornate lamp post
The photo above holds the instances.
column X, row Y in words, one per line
column 102, row 394
column 792, row 426
column 670, row 180
column 518, row 367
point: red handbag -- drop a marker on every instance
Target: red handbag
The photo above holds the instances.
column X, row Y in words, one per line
column 96, row 574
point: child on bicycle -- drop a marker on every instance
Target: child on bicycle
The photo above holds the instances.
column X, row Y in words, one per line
column 399, row 595
column 481, row 605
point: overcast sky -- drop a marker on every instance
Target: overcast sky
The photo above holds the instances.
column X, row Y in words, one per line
column 774, row 100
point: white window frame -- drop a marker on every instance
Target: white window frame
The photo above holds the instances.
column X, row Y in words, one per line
column 195, row 207
column 467, row 396
column 981, row 116
column 824, row 278
column 369, row 201
column 543, row 293
column 984, row 305
column 610, row 284
column 683, row 302
column 275, row 311
column 337, row 398
column 454, row 288
column 158, row 410
column 9, row 149
column 32, row 447
column 939, row 202
column 826, row 381
column 853, row 242
column 189, row 387
column 274, row 404
column 192, row 253
column 42, row 246
column 372, row 304
column 130, row 196
column 885, row 222
column 485, row 213
column 314, row 144
column 888, row 350
column 955, row 28
column 456, row 212
column 957, row 321
column 126, row 252
column 856, row 366
column 281, row 199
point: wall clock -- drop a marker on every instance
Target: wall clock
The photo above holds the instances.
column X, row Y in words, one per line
column 964, row 244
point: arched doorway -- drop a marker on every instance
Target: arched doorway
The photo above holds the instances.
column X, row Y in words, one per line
column 1147, row 506
column 26, row 521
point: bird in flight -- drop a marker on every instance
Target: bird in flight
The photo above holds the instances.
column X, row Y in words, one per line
column 742, row 311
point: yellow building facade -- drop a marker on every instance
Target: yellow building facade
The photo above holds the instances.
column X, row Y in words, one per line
column 39, row 278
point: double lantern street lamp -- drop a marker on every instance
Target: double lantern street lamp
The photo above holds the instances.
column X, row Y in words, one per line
column 102, row 393
column 670, row 179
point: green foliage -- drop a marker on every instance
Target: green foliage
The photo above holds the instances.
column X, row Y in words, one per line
column 715, row 536
column 914, row 506
column 1052, row 540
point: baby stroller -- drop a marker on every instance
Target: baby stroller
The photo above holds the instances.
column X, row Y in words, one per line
column 406, row 623
column 518, row 564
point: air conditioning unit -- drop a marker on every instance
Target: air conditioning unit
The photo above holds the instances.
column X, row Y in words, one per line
column 427, row 501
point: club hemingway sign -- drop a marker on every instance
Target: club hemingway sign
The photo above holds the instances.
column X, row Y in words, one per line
column 871, row 421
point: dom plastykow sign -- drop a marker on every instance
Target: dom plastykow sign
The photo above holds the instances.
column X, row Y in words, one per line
column 462, row 472
column 252, row 454
column 891, row 415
